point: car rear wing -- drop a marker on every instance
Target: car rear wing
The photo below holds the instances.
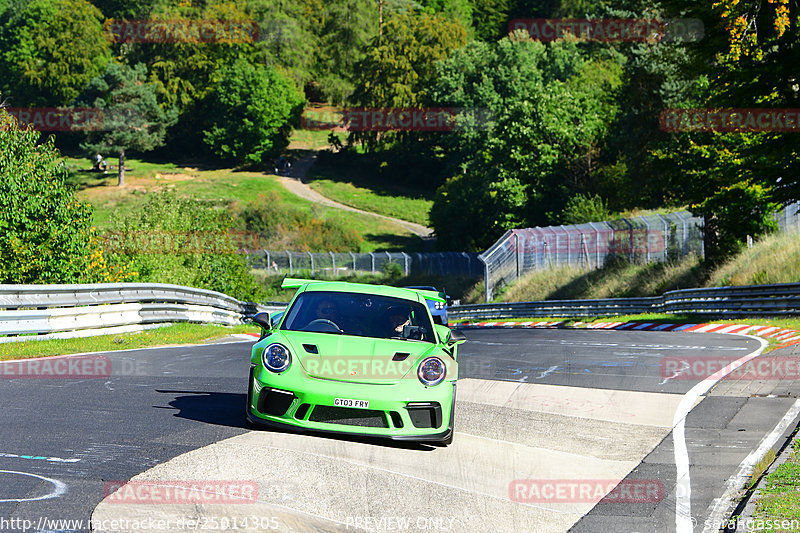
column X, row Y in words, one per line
column 296, row 283
column 430, row 295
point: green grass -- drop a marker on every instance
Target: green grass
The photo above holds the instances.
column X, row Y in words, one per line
column 227, row 186
column 779, row 495
column 167, row 335
column 350, row 185
column 773, row 259
column 620, row 279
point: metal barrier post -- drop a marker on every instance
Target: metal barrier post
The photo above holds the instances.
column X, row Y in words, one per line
column 354, row 261
column 291, row 269
column 312, row 262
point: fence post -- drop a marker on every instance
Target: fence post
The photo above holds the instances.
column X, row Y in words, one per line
column 486, row 295
column 354, row 261
column 648, row 237
column 372, row 256
column 405, row 260
column 312, row 262
column 596, row 244
column 516, row 249
column 291, row 268
column 333, row 262
column 630, row 229
column 269, row 263
column 666, row 237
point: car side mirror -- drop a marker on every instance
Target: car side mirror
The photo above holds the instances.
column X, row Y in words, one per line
column 263, row 320
column 456, row 337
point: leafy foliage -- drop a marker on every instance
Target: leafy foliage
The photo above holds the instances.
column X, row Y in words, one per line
column 582, row 208
column 731, row 215
column 551, row 108
column 276, row 223
column 253, row 109
column 46, row 233
column 182, row 241
column 49, row 50
column 132, row 118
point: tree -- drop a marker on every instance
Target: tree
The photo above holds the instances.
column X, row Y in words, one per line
column 346, row 29
column 550, row 109
column 45, row 233
column 398, row 69
column 132, row 118
column 185, row 242
column 49, row 50
column 253, row 109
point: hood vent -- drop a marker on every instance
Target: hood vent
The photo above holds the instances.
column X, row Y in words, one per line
column 400, row 356
column 310, row 348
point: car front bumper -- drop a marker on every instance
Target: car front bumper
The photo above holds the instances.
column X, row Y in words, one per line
column 406, row 410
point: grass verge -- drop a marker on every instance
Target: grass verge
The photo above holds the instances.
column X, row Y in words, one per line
column 168, row 335
column 355, row 185
column 779, row 494
column 228, row 187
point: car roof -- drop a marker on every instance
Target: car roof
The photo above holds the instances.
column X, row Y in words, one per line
column 415, row 295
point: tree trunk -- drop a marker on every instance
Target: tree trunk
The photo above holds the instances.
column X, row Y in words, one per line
column 121, row 182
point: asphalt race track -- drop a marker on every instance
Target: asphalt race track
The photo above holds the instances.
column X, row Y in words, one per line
column 582, row 407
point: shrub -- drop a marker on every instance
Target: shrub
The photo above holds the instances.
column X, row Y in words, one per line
column 253, row 110
column 46, row 233
column 583, row 208
column 183, row 241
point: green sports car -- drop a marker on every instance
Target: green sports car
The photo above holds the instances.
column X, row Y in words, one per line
column 355, row 358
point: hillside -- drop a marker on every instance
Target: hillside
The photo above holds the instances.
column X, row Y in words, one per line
column 773, row 259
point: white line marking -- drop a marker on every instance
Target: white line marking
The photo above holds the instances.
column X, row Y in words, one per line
column 59, row 488
column 39, row 458
column 548, row 371
column 683, row 484
column 684, row 367
column 739, row 480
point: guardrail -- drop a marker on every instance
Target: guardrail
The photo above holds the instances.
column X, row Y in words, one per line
column 36, row 312
column 750, row 300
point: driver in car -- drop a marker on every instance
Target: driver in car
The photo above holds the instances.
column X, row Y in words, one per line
column 328, row 310
column 397, row 318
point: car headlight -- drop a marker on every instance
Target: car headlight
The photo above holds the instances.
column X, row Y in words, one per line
column 439, row 306
column 277, row 358
column 431, row 371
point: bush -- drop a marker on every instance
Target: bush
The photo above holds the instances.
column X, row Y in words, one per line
column 46, row 233
column 252, row 113
column 733, row 213
column 183, row 241
column 281, row 226
column 583, row 208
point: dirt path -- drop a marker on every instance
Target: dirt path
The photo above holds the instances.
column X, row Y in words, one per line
column 296, row 185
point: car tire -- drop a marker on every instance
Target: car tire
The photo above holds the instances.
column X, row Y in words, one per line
column 247, row 422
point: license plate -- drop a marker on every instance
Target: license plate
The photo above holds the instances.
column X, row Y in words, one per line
column 346, row 402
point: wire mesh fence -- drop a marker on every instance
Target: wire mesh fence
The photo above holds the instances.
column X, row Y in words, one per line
column 789, row 217
column 639, row 239
column 334, row 265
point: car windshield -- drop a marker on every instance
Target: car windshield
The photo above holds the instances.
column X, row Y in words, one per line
column 362, row 315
